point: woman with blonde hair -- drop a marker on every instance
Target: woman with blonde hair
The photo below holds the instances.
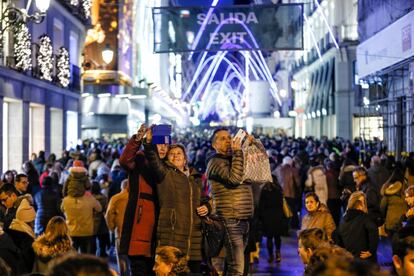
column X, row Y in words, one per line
column 358, row 233
column 54, row 242
column 170, row 261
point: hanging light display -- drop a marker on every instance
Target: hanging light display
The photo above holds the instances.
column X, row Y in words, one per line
column 45, row 58
column 63, row 68
column 22, row 51
column 87, row 4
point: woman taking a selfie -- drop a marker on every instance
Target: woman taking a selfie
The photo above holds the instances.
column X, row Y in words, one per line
column 179, row 194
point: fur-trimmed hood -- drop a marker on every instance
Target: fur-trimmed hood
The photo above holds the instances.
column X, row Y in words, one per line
column 77, row 182
column 348, row 168
column 315, row 168
column 78, row 171
column 394, row 188
column 46, row 249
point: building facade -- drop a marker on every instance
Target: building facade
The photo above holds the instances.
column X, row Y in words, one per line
column 385, row 68
column 322, row 75
column 40, row 86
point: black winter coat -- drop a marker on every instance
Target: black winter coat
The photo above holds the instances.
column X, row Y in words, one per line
column 373, row 202
column 10, row 253
column 378, row 175
column 346, row 180
column 24, row 242
column 357, row 233
column 271, row 210
column 47, row 202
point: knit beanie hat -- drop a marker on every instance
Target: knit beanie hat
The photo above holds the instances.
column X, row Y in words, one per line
column 25, row 212
column 78, row 163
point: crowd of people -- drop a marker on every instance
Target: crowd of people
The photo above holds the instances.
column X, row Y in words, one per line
column 147, row 202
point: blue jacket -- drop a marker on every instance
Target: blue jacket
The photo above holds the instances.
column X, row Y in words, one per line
column 47, row 202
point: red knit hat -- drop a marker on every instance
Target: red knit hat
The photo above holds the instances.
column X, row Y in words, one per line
column 78, row 163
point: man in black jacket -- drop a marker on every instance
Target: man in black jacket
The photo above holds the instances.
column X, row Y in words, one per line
column 8, row 198
column 233, row 199
column 373, row 196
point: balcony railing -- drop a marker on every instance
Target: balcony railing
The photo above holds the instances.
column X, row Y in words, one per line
column 75, row 74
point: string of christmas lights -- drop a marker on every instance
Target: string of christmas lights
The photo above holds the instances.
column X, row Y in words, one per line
column 87, row 4
column 63, row 68
column 45, row 58
column 22, row 50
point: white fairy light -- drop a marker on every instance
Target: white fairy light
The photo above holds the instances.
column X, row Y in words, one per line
column 63, row 68
column 22, row 49
column 87, row 4
column 45, row 58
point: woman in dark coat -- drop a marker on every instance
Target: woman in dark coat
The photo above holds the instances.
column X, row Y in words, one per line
column 10, row 253
column 47, row 202
column 179, row 195
column 100, row 229
column 358, row 233
column 271, row 216
column 346, row 181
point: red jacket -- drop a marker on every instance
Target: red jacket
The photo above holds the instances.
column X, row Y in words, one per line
column 138, row 231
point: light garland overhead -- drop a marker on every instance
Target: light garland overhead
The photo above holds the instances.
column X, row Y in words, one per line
column 22, row 48
column 63, row 68
column 74, row 2
column 45, row 58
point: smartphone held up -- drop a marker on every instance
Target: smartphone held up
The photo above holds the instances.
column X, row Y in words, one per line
column 161, row 134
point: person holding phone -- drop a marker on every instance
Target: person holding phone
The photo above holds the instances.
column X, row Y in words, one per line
column 137, row 239
column 233, row 198
column 181, row 205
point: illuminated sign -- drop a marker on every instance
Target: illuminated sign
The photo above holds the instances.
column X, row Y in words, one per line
column 259, row 27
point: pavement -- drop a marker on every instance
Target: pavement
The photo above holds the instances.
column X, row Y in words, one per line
column 291, row 264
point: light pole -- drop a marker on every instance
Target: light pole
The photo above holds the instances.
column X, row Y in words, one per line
column 12, row 16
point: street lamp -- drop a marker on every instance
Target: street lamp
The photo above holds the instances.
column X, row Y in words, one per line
column 42, row 5
column 107, row 54
column 13, row 15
